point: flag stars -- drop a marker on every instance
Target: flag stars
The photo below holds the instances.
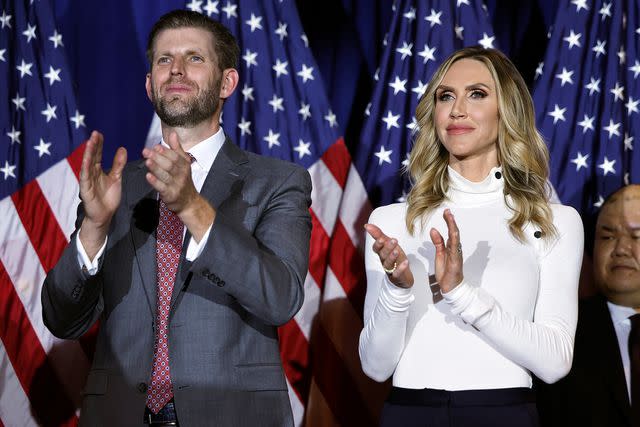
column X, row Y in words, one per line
column 612, row 128
column 605, row 11
column 461, row 2
column 398, row 85
column 331, row 119
column 276, row 103
column 5, row 20
column 53, row 75
column 272, row 139
column 384, row 156
column 255, row 22
column 367, row 110
column 427, row 53
column 486, row 41
column 628, row 142
column 405, row 50
column 419, row 89
column 413, row 125
column 557, row 114
column 622, row 56
column 2, row 52
column 565, row 77
column 14, row 135
column 306, row 73
column 194, row 6
column 586, row 123
column 573, row 39
column 617, row 92
column 411, row 14
column 599, row 48
column 632, row 106
column 50, row 112
column 580, row 161
column 244, row 127
column 458, row 30
column 7, row 170
column 211, row 8
column 19, row 102
column 305, row 111
column 30, row 32
column 391, row 120
column 42, row 148
column 247, row 92
column 305, row 40
column 434, row 18
column 607, row 166
column 56, row 39
column 302, row 149
column 635, row 69
column 25, row 68
column 280, row 68
column 230, row 10
column 281, row 31
column 600, row 202
column 580, row 4
column 593, row 86
column 250, row 58
column 78, row 120
column 539, row 69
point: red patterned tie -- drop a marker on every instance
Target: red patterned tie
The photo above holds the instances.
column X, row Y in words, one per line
column 168, row 248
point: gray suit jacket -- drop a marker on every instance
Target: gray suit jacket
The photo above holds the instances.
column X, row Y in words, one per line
column 226, row 305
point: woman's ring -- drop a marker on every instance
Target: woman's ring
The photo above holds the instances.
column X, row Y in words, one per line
column 390, row 271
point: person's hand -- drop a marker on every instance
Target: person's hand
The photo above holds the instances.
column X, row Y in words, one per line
column 448, row 262
column 170, row 174
column 100, row 193
column 394, row 260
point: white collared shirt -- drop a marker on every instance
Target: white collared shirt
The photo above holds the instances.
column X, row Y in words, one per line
column 621, row 323
column 204, row 153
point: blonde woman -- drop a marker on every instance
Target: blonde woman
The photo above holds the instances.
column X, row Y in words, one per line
column 472, row 283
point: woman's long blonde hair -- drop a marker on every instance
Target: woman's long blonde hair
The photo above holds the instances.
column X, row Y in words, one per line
column 522, row 152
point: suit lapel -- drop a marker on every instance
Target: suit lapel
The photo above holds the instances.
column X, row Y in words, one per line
column 142, row 201
column 611, row 362
column 224, row 179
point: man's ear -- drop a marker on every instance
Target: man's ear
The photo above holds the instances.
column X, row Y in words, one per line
column 147, row 85
column 229, row 82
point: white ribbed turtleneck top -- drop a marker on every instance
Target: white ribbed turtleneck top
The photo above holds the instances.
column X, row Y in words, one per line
column 514, row 313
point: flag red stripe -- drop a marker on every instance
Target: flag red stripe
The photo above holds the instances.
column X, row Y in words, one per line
column 319, row 246
column 338, row 161
column 336, row 384
column 294, row 351
column 75, row 159
column 41, row 226
column 48, row 401
column 348, row 266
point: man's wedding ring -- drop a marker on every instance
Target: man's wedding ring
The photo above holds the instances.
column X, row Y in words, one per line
column 390, row 271
column 459, row 248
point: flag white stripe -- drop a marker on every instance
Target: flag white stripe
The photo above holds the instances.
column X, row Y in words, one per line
column 304, row 317
column 355, row 208
column 15, row 408
column 325, row 195
column 60, row 187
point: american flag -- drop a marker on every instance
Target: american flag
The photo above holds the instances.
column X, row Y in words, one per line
column 42, row 132
column 587, row 98
column 422, row 34
column 281, row 109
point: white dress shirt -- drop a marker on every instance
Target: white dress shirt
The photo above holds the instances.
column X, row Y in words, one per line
column 204, row 153
column 621, row 323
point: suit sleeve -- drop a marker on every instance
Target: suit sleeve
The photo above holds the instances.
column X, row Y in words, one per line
column 264, row 270
column 71, row 298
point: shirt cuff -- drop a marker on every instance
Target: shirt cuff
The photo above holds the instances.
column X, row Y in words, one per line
column 394, row 298
column 469, row 302
column 195, row 249
column 91, row 267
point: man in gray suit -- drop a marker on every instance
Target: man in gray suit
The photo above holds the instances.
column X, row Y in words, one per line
column 190, row 258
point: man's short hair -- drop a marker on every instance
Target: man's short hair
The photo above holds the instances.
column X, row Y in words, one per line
column 224, row 43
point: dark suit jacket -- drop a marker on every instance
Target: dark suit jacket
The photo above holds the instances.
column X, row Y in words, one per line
column 226, row 305
column 594, row 394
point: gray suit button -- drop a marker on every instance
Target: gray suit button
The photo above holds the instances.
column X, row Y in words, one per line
column 142, row 387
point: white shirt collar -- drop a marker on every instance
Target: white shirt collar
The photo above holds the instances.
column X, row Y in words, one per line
column 206, row 151
column 620, row 313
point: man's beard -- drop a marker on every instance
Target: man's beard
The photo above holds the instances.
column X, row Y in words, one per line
column 176, row 112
